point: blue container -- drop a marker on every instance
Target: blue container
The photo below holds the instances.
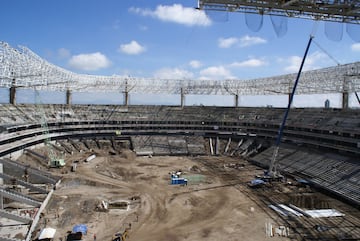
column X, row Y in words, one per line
column 178, row 181
column 82, row 228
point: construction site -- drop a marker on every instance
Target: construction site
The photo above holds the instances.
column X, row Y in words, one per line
column 179, row 172
column 149, row 174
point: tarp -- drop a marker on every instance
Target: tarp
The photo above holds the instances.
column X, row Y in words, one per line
column 47, row 233
column 324, row 213
column 256, row 182
column 82, row 228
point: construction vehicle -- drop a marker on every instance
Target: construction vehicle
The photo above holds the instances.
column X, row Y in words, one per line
column 53, row 159
column 122, row 236
column 272, row 174
column 54, row 162
column 57, row 163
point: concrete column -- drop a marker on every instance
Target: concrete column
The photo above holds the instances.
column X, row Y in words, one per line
column 211, row 146
column 68, row 97
column 12, row 95
column 236, row 100
column 227, row 146
column 345, row 94
column 126, row 94
column 345, row 100
column 289, row 98
column 217, row 146
column 126, row 98
column 182, row 100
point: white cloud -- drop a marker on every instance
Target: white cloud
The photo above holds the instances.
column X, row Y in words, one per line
column 132, row 48
column 242, row 42
column 176, row 13
column 64, row 53
column 173, row 73
column 227, row 42
column 89, row 62
column 216, row 72
column 249, row 63
column 312, row 61
column 195, row 64
column 294, row 64
column 249, row 41
column 355, row 47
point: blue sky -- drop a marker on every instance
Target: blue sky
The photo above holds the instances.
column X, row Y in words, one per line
column 164, row 39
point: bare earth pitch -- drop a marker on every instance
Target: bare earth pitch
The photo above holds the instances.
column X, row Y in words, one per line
column 210, row 207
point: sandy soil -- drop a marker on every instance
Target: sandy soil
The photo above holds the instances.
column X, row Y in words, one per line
column 209, row 208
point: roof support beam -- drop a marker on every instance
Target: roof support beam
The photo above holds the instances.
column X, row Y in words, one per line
column 17, row 69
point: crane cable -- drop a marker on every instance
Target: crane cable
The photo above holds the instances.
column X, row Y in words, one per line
column 314, row 30
column 337, row 62
column 327, row 53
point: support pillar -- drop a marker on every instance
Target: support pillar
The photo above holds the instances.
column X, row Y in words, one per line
column 126, row 98
column 68, row 97
column 236, row 100
column 227, row 145
column 345, row 100
column 289, row 99
column 126, row 94
column 211, row 146
column 12, row 96
column 182, row 100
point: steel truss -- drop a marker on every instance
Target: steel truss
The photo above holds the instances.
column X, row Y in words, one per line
column 20, row 67
column 345, row 11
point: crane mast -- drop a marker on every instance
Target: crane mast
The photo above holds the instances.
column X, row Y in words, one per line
column 272, row 167
column 53, row 159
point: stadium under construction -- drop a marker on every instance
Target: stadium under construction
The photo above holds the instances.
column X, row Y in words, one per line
column 110, row 167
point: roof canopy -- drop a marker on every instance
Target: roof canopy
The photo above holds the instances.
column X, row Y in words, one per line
column 20, row 67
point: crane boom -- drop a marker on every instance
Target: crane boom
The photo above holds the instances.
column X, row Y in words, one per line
column 272, row 166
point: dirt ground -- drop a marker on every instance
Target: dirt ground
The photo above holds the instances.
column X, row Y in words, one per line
column 210, row 207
